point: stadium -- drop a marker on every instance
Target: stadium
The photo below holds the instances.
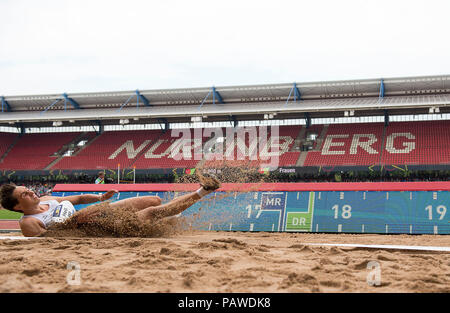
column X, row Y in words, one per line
column 361, row 172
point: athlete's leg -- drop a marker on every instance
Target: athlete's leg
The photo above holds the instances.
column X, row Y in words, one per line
column 132, row 204
column 137, row 203
column 171, row 208
column 178, row 205
column 150, row 207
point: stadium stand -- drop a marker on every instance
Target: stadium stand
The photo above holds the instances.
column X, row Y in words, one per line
column 417, row 143
column 36, row 151
column 399, row 143
column 242, row 157
column 161, row 152
column 6, row 140
column 109, row 149
column 349, row 144
column 289, row 134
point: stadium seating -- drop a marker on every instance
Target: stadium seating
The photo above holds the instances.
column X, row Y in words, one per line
column 154, row 149
column 349, row 144
column 6, row 140
column 166, row 154
column 110, row 149
column 34, row 151
column 417, row 143
column 336, row 145
column 287, row 136
column 400, row 143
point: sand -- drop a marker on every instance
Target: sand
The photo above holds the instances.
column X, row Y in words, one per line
column 209, row 261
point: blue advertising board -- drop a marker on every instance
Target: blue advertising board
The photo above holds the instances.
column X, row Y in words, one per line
column 382, row 212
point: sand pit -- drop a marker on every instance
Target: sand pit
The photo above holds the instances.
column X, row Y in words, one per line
column 201, row 261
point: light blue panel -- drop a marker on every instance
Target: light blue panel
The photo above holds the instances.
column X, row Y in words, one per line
column 365, row 211
column 431, row 212
column 373, row 207
column 444, row 223
column 354, row 211
column 149, row 193
column 273, row 206
column 246, row 207
column 321, row 212
column 422, row 223
column 336, row 208
column 76, row 193
column 199, row 213
column 123, row 195
column 297, row 201
column 323, row 219
column 235, row 211
column 268, row 221
column 399, row 211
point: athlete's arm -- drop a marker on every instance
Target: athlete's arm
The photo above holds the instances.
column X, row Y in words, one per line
column 83, row 199
column 31, row 227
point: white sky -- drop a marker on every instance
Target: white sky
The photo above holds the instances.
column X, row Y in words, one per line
column 94, row 45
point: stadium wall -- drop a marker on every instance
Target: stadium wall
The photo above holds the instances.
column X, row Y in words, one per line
column 381, row 207
column 127, row 173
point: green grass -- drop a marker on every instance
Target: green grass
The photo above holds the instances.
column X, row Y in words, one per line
column 9, row 215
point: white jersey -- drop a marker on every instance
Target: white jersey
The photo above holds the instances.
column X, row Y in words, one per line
column 57, row 212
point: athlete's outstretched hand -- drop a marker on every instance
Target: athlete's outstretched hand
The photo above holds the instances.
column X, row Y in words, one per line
column 107, row 195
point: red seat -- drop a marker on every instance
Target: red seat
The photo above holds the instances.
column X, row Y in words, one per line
column 34, row 151
column 343, row 145
column 424, row 142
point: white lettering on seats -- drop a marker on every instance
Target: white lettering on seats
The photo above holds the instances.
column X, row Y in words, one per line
column 183, row 145
column 366, row 145
column 213, row 148
column 329, row 143
column 408, row 146
column 129, row 146
column 242, row 149
column 181, row 149
column 149, row 154
column 277, row 145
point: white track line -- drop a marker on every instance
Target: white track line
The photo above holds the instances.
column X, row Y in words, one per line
column 395, row 247
column 18, row 237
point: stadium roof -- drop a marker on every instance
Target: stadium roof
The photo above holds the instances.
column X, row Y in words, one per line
column 408, row 95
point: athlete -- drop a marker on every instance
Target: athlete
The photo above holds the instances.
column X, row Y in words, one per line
column 40, row 213
column 101, row 178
